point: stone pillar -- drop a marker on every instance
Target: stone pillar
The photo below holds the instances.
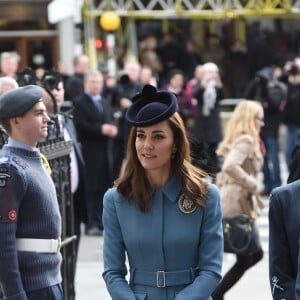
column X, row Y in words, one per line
column 66, row 29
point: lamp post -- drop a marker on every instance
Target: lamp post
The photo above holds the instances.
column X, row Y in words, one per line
column 110, row 22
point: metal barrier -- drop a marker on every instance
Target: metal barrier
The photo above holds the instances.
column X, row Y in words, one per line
column 227, row 106
column 58, row 152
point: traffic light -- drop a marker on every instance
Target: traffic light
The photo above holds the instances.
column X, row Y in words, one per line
column 98, row 44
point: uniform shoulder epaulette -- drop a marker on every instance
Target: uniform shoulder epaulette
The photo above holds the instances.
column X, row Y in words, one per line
column 19, row 162
column 12, row 159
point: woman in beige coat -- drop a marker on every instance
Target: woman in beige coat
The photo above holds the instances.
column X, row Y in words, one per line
column 243, row 157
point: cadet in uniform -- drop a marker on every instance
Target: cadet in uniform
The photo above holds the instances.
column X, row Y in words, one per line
column 161, row 212
column 30, row 221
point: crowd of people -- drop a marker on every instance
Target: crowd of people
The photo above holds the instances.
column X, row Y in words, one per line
column 152, row 170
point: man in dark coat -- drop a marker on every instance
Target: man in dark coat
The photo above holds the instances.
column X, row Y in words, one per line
column 284, row 230
column 294, row 173
column 297, row 289
column 74, row 84
column 94, row 123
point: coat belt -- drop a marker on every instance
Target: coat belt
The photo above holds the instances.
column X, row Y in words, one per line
column 163, row 278
column 38, row 245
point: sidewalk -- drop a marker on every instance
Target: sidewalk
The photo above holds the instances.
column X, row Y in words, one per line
column 88, row 282
column 90, row 285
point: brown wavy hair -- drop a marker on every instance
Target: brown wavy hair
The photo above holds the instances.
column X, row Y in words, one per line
column 133, row 183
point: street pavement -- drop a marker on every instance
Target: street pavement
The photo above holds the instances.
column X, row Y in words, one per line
column 90, row 285
column 253, row 285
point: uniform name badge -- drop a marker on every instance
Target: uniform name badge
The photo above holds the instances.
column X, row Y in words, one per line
column 186, row 205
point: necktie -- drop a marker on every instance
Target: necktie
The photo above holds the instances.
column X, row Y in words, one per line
column 100, row 107
column 98, row 102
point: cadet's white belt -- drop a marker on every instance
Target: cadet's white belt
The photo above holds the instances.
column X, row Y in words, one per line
column 39, row 245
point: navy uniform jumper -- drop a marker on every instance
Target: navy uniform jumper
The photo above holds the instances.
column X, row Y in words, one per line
column 28, row 209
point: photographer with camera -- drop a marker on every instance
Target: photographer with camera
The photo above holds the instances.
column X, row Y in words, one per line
column 127, row 86
column 271, row 93
column 207, row 131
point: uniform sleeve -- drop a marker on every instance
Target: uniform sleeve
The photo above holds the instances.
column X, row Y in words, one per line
column 12, row 189
column 210, row 252
column 114, row 252
column 233, row 163
column 282, row 281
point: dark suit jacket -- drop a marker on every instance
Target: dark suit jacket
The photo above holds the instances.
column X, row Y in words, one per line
column 294, row 167
column 95, row 146
column 74, row 86
column 284, row 229
column 297, row 289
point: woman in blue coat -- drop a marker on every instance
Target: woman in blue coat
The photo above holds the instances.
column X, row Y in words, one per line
column 161, row 216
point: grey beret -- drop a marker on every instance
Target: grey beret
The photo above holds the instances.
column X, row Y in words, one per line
column 18, row 101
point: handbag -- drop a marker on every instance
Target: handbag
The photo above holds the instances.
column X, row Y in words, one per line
column 240, row 235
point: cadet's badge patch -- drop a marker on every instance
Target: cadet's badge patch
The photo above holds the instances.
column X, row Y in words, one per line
column 12, row 215
column 4, row 176
column 20, row 162
column 186, row 205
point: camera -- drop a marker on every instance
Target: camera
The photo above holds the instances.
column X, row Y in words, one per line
column 27, row 77
column 293, row 70
column 263, row 76
column 51, row 79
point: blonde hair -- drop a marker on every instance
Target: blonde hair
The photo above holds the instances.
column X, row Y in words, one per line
column 242, row 122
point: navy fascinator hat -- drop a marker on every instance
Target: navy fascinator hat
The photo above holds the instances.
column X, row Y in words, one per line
column 150, row 107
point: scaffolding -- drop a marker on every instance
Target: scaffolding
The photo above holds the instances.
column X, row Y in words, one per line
column 201, row 9
column 132, row 10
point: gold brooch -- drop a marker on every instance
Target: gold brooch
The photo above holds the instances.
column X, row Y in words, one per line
column 186, row 205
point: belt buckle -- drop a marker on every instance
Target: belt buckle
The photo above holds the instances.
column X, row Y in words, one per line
column 160, row 275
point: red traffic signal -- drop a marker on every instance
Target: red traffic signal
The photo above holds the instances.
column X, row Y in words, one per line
column 98, row 43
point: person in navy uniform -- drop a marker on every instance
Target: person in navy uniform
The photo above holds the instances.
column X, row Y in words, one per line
column 30, row 220
column 284, row 230
column 161, row 213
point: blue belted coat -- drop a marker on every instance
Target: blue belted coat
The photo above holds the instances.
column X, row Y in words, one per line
column 171, row 254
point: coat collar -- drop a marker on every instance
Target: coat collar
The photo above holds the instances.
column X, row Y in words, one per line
column 171, row 189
